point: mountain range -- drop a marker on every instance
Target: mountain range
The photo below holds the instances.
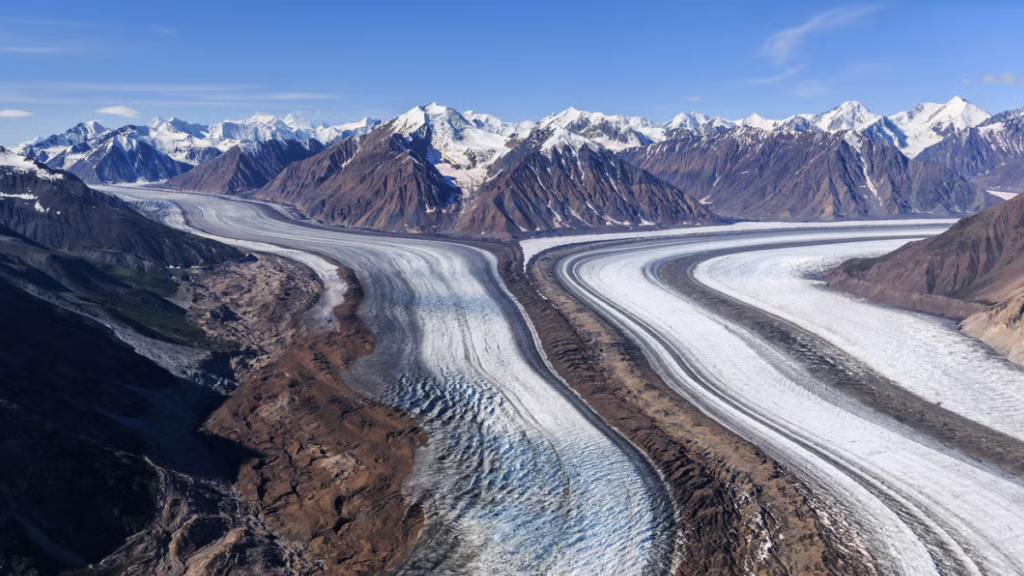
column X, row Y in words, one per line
column 57, row 211
column 163, row 149
column 434, row 169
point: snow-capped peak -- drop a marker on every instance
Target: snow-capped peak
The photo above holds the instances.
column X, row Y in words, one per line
column 958, row 114
column 927, row 123
column 691, row 120
column 562, row 140
column 261, row 119
column 612, row 132
column 411, row 121
column 458, row 148
column 758, row 121
column 297, row 122
column 567, row 117
column 850, row 115
column 18, row 163
column 494, row 125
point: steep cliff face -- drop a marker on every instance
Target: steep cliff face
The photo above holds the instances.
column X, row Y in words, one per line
column 245, row 167
column 788, row 175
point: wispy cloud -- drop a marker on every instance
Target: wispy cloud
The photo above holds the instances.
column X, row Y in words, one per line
column 52, row 22
column 123, row 111
column 693, row 98
column 164, row 30
column 811, row 88
column 36, row 49
column 786, row 74
column 784, row 45
column 15, row 113
column 1004, row 78
column 115, row 87
column 294, row 96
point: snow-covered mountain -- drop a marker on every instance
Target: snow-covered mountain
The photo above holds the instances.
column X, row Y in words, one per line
column 991, row 154
column 492, row 124
column 460, row 149
column 57, row 145
column 165, row 148
column 850, row 115
column 612, row 132
column 462, row 146
column 911, row 131
column 751, row 173
column 928, row 123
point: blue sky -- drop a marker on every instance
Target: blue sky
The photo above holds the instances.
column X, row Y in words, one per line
column 331, row 61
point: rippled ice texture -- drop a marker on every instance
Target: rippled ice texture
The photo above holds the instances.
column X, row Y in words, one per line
column 518, row 477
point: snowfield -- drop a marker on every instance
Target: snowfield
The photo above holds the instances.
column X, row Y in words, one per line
column 519, row 476
column 943, row 365
column 534, row 246
column 916, row 506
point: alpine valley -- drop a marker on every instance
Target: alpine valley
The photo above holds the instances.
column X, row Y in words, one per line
column 444, row 343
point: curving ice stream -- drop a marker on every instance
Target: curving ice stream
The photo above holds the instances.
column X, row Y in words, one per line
column 519, row 477
column 912, row 504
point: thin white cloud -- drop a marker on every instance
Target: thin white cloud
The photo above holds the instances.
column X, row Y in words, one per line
column 36, row 49
column 693, row 98
column 15, row 113
column 784, row 45
column 1004, row 78
column 294, row 96
column 116, row 87
column 52, row 22
column 786, row 74
column 122, row 111
column 810, row 89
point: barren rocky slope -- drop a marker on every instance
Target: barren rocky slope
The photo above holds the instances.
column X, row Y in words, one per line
column 107, row 457
column 108, row 465
column 245, row 167
column 552, row 181
column 555, row 180
column 972, row 272
column 729, row 493
column 57, row 210
column 991, row 154
column 792, row 175
column 378, row 183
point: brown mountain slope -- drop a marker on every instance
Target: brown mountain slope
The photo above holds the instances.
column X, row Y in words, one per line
column 973, row 271
column 246, row 167
column 57, row 210
column 556, row 180
column 548, row 182
column 991, row 154
column 109, row 469
column 757, row 174
column 378, row 183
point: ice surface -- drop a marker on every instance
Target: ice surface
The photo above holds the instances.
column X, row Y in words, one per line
column 942, row 365
column 917, row 506
column 518, row 477
column 533, row 246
